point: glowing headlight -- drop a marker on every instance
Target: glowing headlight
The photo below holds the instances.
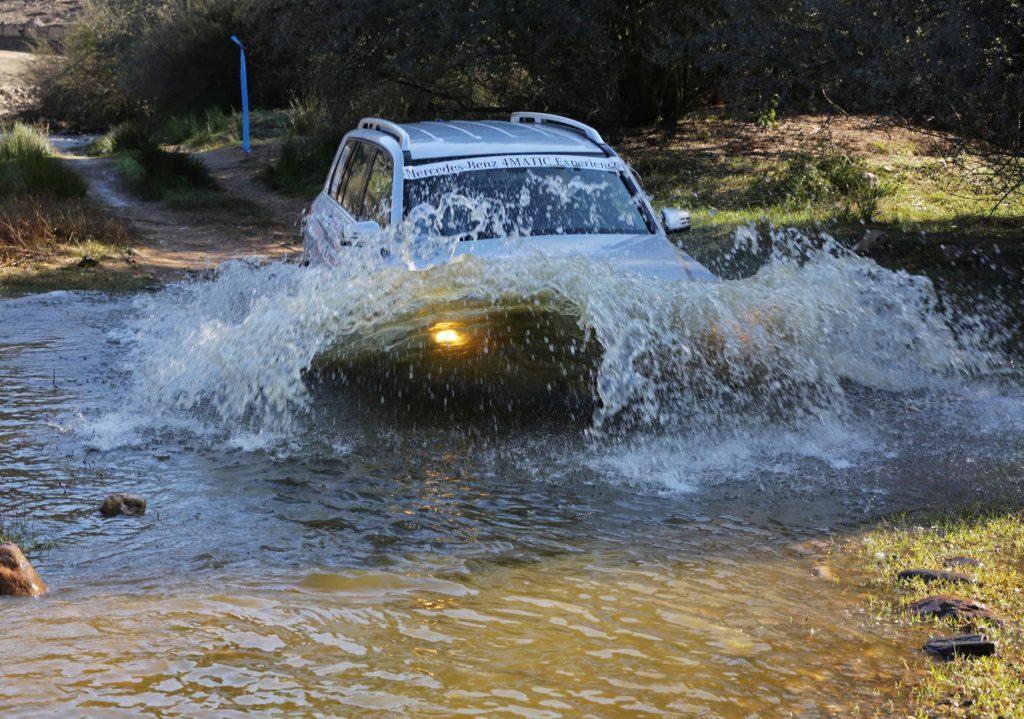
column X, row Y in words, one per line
column 445, row 334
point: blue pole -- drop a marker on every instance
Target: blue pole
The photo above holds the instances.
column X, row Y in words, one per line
column 245, row 98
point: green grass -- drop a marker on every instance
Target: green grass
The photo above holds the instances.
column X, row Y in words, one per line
column 991, row 686
column 28, row 167
column 935, row 215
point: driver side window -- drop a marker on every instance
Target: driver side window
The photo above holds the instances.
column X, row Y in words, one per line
column 365, row 186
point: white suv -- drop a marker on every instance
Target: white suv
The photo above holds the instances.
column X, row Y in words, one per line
column 537, row 182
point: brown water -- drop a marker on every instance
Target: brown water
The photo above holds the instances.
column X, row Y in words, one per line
column 378, row 565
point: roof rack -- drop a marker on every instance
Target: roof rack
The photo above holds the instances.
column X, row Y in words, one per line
column 388, row 128
column 544, row 118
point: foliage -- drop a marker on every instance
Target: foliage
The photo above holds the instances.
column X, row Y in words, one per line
column 829, row 179
column 152, row 172
column 213, row 126
column 768, row 116
column 27, row 167
column 30, row 226
column 953, row 65
column 303, row 163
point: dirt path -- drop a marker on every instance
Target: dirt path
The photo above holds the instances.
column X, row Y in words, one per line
column 177, row 241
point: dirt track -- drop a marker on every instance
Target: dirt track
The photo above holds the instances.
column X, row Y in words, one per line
column 175, row 241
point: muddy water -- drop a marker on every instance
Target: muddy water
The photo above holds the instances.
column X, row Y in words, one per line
column 437, row 563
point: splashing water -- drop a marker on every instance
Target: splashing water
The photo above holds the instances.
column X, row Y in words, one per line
column 786, row 347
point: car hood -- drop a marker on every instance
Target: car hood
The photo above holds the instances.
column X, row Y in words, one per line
column 648, row 255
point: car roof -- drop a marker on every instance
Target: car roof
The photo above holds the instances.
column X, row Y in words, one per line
column 474, row 138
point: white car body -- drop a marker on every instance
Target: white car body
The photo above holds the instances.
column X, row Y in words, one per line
column 389, row 160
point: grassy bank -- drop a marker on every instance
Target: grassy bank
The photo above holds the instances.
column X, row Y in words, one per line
column 842, row 175
column 981, row 687
column 51, row 236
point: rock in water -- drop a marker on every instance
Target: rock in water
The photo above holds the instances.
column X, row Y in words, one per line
column 967, row 645
column 935, row 575
column 943, row 606
column 130, row 505
column 17, row 576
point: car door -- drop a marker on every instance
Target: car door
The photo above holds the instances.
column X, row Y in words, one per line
column 361, row 193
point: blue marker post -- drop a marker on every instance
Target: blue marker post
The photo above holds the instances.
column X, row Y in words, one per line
column 245, row 98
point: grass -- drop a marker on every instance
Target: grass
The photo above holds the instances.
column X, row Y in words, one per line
column 986, row 687
column 729, row 174
column 153, row 172
column 47, row 227
column 17, row 531
column 28, row 167
column 42, row 242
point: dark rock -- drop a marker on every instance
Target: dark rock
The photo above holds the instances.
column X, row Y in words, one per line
column 131, row 505
column 17, row 576
column 943, row 606
column 935, row 575
column 949, row 562
column 967, row 645
column 88, row 261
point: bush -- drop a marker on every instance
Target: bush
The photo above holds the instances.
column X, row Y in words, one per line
column 303, row 163
column 829, row 180
column 152, row 172
column 28, row 168
column 213, row 126
column 156, row 174
column 126, row 58
column 39, row 225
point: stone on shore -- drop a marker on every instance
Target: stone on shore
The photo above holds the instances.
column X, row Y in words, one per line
column 944, row 606
column 17, row 576
column 935, row 575
column 130, row 505
column 967, row 645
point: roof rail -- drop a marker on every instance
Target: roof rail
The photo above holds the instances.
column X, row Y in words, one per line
column 544, row 118
column 388, row 128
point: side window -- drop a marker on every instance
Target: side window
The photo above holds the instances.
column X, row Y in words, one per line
column 353, row 181
column 377, row 202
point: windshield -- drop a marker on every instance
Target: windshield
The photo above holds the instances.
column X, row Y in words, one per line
column 505, row 202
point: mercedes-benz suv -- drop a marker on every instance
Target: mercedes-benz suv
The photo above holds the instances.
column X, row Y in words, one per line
column 536, row 182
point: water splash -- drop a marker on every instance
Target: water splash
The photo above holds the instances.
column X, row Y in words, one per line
column 781, row 347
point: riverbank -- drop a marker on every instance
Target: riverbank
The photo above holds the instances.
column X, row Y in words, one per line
column 891, row 193
column 980, row 551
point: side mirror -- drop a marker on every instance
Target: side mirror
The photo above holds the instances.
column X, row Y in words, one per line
column 675, row 220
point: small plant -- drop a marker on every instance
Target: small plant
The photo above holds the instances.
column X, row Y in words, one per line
column 307, row 116
column 768, row 116
column 828, row 180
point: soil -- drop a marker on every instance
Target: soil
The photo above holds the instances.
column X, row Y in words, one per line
column 45, row 12
column 15, row 89
column 249, row 220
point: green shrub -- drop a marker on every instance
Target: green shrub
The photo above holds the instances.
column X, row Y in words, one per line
column 153, row 173
column 28, row 167
column 828, row 180
column 211, row 127
column 303, row 163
